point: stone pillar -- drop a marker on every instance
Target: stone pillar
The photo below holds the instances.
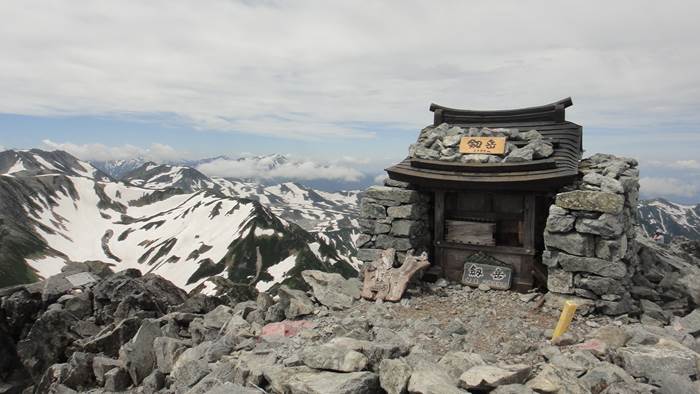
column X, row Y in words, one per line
column 393, row 216
column 590, row 234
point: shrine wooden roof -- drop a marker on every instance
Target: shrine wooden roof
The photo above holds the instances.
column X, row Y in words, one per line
column 559, row 169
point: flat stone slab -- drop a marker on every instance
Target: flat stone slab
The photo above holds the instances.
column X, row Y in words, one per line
column 582, row 200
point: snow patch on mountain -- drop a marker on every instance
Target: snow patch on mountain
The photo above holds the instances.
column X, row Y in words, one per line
column 671, row 218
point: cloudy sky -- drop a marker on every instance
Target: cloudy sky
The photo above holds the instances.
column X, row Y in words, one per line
column 346, row 83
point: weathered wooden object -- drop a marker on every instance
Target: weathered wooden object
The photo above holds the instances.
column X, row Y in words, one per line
column 384, row 282
column 466, row 232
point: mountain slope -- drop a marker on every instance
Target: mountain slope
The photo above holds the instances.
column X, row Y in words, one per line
column 48, row 219
column 117, row 168
column 673, row 219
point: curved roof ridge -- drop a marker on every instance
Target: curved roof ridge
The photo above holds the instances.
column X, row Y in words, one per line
column 548, row 112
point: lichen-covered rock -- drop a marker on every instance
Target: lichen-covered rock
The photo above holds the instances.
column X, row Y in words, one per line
column 582, row 200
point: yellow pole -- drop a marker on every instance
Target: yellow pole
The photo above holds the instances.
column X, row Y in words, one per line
column 567, row 314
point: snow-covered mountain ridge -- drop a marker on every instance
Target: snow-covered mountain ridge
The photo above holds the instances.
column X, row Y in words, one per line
column 55, row 208
column 671, row 218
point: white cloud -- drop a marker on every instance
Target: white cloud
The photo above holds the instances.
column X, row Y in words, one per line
column 101, row 152
column 379, row 179
column 687, row 164
column 304, row 69
column 266, row 168
column 667, row 187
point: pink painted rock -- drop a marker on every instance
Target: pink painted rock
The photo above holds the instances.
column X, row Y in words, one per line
column 597, row 347
column 286, row 328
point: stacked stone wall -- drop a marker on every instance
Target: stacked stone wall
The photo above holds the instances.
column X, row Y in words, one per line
column 394, row 216
column 590, row 244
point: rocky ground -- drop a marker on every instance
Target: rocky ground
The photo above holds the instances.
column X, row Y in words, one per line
column 127, row 332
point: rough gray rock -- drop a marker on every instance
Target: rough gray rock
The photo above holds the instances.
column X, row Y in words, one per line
column 333, row 382
column 116, row 379
column 559, row 221
column 612, row 269
column 191, row 366
column 333, row 358
column 137, row 355
column 394, row 375
column 331, row 289
column 101, row 365
column 517, row 155
column 607, row 225
column 218, row 317
column 455, row 363
column 432, row 381
column 295, row 302
column 556, row 380
column 645, row 360
column 483, row 377
column 572, row 243
column 399, row 195
column 167, row 350
column 541, row 149
column 591, row 201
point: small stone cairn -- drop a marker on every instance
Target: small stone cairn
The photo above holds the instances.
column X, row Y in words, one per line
column 393, row 217
column 591, row 250
column 442, row 143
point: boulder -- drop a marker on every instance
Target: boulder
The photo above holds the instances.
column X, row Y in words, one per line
column 582, row 200
column 571, row 243
column 101, row 365
column 137, row 355
column 530, row 135
column 513, row 389
column 112, row 337
column 373, row 350
column 540, row 149
column 604, row 375
column 611, row 269
column 399, row 195
column 295, row 302
column 333, row 358
column 484, row 377
column 191, row 366
column 560, row 281
column 394, row 375
column 645, row 360
column 116, row 380
column 518, row 155
column 427, row 380
column 691, row 322
column 218, row 317
column 455, row 363
column 371, row 210
column 331, row 289
column 556, row 380
column 79, row 372
column 167, row 350
column 559, row 221
column 606, row 225
column 46, row 342
column 333, row 382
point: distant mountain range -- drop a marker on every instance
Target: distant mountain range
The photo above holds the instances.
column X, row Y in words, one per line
column 262, row 169
column 172, row 220
column 671, row 218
